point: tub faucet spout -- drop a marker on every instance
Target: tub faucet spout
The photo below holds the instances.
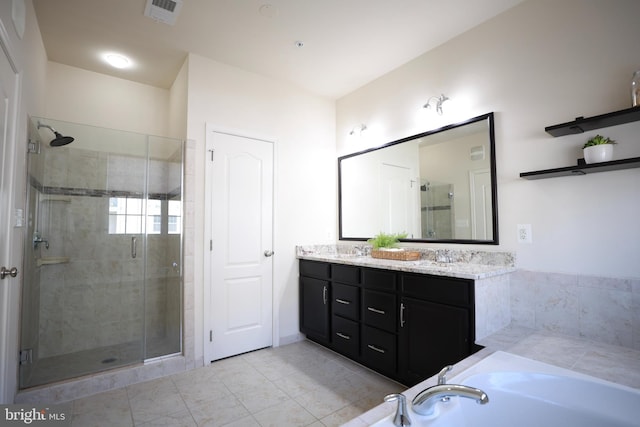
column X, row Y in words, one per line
column 424, row 403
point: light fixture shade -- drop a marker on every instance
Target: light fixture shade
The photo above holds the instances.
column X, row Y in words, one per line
column 438, row 101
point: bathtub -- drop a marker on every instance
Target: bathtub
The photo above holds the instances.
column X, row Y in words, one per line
column 526, row 393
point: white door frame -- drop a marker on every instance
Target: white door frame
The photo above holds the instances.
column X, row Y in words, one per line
column 10, row 287
column 209, row 127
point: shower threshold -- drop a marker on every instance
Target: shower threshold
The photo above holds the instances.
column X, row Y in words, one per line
column 53, row 369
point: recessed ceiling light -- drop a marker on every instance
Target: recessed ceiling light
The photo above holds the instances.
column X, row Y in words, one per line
column 268, row 10
column 118, row 61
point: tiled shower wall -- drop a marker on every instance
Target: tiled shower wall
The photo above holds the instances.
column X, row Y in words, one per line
column 602, row 309
column 99, row 298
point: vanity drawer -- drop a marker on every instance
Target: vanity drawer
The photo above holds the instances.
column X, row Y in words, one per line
column 380, row 310
column 346, row 301
column 345, row 274
column 444, row 290
column 319, row 270
column 379, row 350
column 379, row 279
column 345, row 336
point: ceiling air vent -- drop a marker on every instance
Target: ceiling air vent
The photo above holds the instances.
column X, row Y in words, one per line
column 165, row 11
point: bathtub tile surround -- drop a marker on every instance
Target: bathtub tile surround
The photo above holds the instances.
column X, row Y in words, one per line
column 293, row 385
column 601, row 309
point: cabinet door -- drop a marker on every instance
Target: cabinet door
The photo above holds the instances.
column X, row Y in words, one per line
column 314, row 307
column 431, row 336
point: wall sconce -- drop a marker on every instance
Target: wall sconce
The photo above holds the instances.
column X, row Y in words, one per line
column 438, row 101
column 360, row 129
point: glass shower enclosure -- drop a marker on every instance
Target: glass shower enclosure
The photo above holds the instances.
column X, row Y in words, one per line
column 102, row 272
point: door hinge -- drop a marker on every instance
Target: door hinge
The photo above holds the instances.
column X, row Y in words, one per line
column 211, row 151
column 26, row 356
column 210, row 336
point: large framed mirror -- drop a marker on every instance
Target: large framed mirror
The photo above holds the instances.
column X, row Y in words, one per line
column 438, row 187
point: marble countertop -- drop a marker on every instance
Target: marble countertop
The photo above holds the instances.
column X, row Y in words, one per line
column 455, row 263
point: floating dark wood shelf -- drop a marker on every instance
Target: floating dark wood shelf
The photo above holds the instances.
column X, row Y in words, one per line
column 582, row 124
column 583, row 169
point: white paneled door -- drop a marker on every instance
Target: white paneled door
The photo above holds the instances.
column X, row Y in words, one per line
column 238, row 244
column 10, row 247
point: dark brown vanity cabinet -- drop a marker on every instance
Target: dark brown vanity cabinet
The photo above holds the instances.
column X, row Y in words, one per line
column 406, row 326
column 437, row 324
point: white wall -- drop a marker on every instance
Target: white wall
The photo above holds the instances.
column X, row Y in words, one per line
column 81, row 96
column 541, row 63
column 303, row 127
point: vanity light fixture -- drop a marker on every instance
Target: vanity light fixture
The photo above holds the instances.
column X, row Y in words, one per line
column 359, row 128
column 438, row 101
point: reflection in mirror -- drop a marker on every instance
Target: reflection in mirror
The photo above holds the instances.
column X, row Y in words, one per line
column 438, row 186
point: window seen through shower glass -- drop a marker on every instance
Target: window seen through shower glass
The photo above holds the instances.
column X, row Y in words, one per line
column 174, row 217
column 125, row 215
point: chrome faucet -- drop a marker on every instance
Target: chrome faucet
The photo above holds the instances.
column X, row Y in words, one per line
column 401, row 419
column 425, row 402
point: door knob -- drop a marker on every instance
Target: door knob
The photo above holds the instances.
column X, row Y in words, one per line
column 4, row 272
column 268, row 253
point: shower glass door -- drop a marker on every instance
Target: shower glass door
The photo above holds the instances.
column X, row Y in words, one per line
column 102, row 283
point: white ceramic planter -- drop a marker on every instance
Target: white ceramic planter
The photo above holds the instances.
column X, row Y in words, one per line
column 598, row 153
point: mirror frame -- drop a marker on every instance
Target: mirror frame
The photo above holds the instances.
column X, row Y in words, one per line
column 494, row 185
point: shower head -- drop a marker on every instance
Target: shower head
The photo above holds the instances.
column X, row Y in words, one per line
column 59, row 140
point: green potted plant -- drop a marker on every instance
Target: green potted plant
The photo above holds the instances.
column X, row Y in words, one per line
column 598, row 149
column 386, row 241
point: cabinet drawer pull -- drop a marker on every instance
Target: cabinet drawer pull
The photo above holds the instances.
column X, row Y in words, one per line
column 402, row 315
column 374, row 348
column 375, row 310
column 341, row 301
column 324, row 295
column 341, row 335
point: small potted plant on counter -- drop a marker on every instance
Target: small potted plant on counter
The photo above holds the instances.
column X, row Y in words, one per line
column 386, row 246
column 598, row 149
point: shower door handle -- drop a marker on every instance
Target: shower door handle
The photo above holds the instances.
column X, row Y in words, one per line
column 13, row 272
column 134, row 241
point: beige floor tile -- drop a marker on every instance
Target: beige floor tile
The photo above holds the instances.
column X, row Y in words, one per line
column 286, row 414
column 179, row 419
column 301, row 384
column 219, row 412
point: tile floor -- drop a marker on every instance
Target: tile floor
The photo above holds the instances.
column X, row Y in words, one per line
column 301, row 384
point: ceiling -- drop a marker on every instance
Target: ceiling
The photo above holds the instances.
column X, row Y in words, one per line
column 346, row 43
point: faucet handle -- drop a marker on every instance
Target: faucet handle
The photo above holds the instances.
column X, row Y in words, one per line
column 401, row 418
column 442, row 376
